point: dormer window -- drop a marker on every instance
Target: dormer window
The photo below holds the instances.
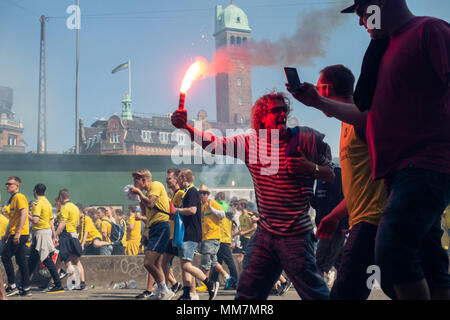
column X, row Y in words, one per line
column 238, row 20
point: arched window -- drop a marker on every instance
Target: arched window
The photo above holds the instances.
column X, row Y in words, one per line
column 244, row 41
column 238, row 41
column 232, row 40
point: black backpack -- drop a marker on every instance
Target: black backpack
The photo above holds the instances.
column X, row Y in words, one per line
column 117, row 232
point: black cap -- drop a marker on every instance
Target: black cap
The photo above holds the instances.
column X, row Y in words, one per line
column 351, row 9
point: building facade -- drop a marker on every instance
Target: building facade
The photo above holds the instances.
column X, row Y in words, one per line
column 11, row 130
column 233, row 88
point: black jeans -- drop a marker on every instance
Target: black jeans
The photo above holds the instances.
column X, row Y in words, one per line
column 18, row 250
column 48, row 262
column 329, row 252
column 358, row 255
column 224, row 254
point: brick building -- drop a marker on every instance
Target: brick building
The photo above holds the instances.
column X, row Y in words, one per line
column 11, row 130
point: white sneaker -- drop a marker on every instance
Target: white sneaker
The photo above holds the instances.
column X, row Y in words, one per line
column 169, row 295
column 194, row 297
column 155, row 295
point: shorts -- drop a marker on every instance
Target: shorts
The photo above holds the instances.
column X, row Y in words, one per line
column 187, row 250
column 158, row 237
column 171, row 249
column 244, row 245
column 68, row 245
column 408, row 243
column 90, row 250
column 209, row 251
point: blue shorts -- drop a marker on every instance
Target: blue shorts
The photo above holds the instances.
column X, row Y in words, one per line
column 408, row 243
column 68, row 245
column 171, row 249
column 158, row 237
column 187, row 250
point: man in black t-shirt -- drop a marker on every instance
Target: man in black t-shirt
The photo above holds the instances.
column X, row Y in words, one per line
column 192, row 219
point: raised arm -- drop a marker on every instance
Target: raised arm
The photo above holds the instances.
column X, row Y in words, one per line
column 230, row 146
column 346, row 112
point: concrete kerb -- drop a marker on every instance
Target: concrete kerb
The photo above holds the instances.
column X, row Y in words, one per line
column 105, row 271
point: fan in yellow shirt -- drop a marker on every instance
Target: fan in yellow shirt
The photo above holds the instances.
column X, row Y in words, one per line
column 69, row 246
column 212, row 214
column 133, row 232
column 90, row 237
column 44, row 238
column 16, row 236
column 155, row 201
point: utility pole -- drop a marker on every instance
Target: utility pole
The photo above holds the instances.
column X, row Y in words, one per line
column 42, row 105
column 77, row 129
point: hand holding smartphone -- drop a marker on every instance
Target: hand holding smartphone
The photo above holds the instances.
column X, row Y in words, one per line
column 292, row 78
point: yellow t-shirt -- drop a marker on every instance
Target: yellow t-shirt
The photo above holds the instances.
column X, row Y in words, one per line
column 71, row 215
column 365, row 197
column 226, row 226
column 43, row 209
column 123, row 223
column 87, row 224
column 18, row 202
column 106, row 228
column 177, row 201
column 246, row 222
column 210, row 222
column 135, row 234
column 3, row 225
column 98, row 224
column 154, row 216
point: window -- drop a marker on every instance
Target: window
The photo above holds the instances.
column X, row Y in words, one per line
column 232, row 40
column 114, row 137
column 146, row 135
column 238, row 20
column 240, row 101
column 239, row 82
column 12, row 140
column 164, row 137
column 238, row 41
column 180, row 138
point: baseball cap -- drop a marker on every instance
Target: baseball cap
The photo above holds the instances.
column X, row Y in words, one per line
column 351, row 9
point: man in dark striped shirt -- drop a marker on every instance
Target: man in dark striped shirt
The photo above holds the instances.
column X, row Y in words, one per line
column 283, row 164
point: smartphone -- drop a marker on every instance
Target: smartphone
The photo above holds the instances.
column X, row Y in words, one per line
column 292, row 77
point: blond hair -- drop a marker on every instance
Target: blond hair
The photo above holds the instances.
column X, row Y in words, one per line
column 187, row 173
column 142, row 173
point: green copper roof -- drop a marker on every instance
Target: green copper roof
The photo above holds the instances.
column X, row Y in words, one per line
column 126, row 108
column 232, row 17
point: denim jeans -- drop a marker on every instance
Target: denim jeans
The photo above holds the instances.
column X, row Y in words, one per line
column 408, row 244
column 269, row 255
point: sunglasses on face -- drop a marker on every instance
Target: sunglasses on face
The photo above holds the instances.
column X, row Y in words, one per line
column 203, row 193
column 10, row 184
column 278, row 110
column 320, row 86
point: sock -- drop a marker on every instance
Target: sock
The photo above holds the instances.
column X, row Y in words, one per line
column 186, row 291
column 163, row 287
column 226, row 276
column 13, row 286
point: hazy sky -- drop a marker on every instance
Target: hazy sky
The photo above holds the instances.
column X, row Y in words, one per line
column 161, row 38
